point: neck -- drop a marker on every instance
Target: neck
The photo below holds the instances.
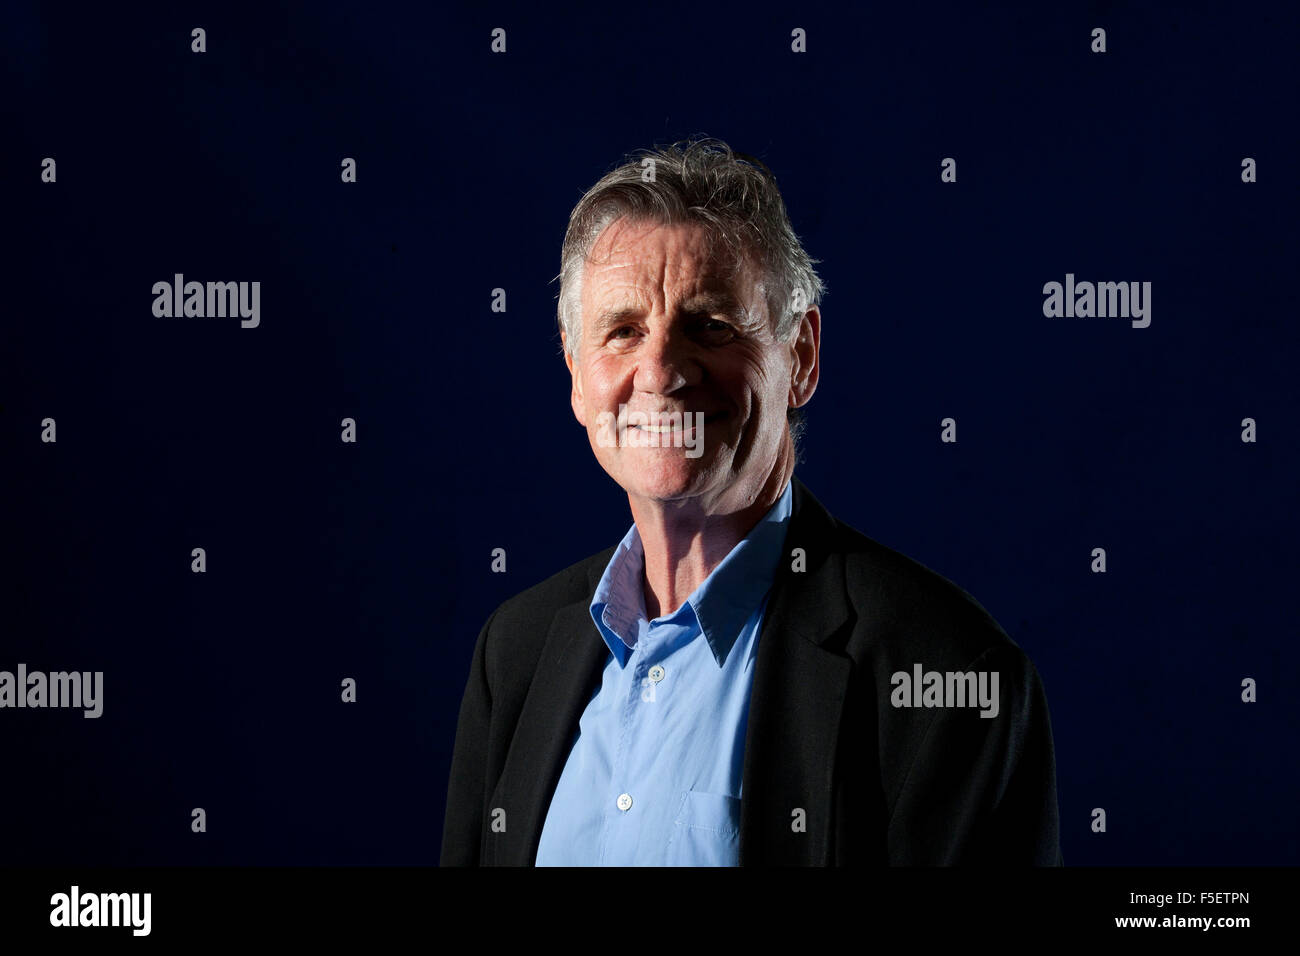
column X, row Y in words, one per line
column 685, row 539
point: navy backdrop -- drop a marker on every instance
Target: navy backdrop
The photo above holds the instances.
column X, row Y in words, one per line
column 372, row 560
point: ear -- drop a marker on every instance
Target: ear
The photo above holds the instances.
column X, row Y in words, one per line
column 576, row 400
column 805, row 351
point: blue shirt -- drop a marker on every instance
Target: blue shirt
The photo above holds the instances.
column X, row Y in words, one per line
column 654, row 776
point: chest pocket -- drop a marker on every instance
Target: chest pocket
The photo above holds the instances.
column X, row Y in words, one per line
column 706, row 831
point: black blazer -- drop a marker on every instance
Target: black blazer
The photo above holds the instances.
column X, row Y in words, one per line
column 878, row 784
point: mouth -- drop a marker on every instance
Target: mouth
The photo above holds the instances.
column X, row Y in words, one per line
column 677, row 421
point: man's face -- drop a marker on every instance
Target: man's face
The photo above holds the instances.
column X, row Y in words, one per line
column 678, row 378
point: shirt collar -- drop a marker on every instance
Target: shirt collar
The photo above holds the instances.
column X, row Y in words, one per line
column 720, row 605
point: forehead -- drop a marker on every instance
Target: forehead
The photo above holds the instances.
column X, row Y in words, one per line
column 644, row 257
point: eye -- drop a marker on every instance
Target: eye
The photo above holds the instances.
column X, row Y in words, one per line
column 715, row 330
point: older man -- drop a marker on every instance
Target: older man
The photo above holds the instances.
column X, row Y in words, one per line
column 742, row 679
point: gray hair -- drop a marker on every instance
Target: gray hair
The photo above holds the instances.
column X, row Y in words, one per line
column 733, row 195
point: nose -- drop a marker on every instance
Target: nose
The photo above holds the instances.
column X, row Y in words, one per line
column 664, row 362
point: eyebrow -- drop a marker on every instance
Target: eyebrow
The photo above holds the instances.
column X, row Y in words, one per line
column 615, row 316
column 713, row 302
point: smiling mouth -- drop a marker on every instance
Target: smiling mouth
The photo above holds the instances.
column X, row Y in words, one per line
column 683, row 422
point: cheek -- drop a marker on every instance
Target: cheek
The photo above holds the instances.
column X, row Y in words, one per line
column 756, row 383
column 776, row 379
column 601, row 380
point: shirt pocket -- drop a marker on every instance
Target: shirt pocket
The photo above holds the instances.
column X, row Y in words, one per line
column 706, row 830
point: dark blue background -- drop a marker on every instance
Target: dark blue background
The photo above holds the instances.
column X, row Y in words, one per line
column 372, row 561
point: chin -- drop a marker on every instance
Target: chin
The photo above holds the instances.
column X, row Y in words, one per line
column 674, row 478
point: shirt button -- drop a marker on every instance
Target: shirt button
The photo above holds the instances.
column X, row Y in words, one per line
column 656, row 673
column 624, row 801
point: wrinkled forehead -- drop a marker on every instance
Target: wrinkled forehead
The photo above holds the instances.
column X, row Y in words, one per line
column 641, row 249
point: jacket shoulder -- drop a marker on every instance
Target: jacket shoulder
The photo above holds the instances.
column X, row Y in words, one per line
column 524, row 621
column 914, row 610
column 574, row 583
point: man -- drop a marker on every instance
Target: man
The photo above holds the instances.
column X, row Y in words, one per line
column 743, row 680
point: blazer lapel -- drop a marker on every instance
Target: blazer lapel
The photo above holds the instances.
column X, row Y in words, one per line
column 796, row 701
column 568, row 673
